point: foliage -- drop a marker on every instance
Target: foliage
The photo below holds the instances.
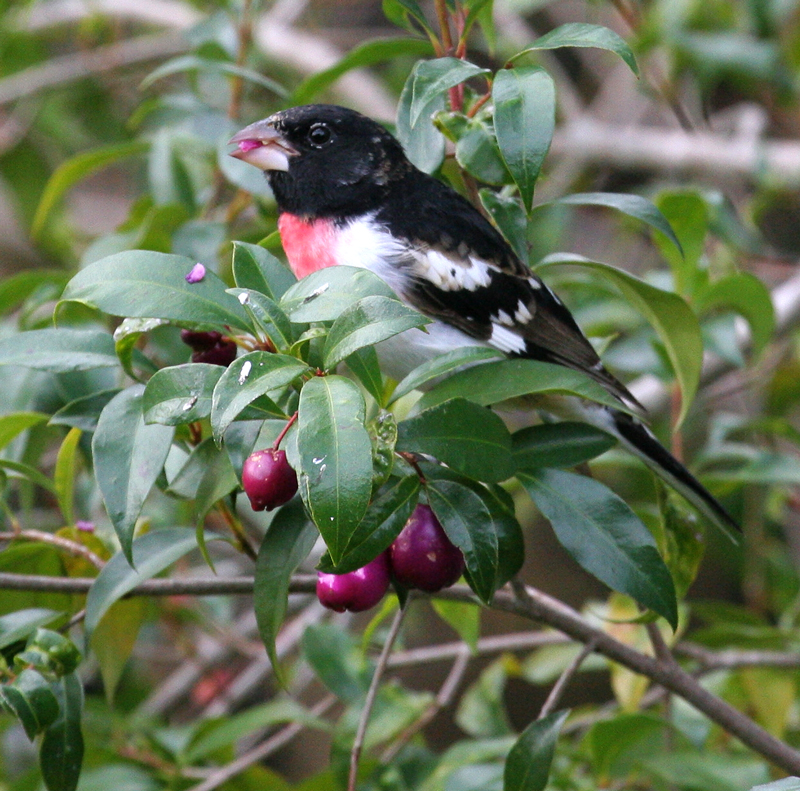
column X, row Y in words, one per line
column 120, row 459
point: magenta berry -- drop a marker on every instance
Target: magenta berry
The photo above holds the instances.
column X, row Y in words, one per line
column 268, row 480
column 357, row 590
column 422, row 556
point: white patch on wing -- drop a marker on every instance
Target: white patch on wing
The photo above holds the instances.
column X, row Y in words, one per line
column 506, row 340
column 452, row 274
column 503, row 318
column 523, row 315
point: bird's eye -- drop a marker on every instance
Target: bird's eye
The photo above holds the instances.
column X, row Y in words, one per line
column 319, row 134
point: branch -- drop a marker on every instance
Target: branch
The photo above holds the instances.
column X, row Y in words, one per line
column 549, row 706
column 69, row 546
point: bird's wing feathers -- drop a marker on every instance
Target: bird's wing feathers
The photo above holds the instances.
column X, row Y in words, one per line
column 517, row 314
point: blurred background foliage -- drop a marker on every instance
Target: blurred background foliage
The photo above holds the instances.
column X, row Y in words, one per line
column 114, row 117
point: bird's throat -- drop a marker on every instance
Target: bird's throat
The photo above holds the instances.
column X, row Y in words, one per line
column 309, row 244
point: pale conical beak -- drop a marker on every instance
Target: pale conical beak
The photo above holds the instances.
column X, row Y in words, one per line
column 262, row 146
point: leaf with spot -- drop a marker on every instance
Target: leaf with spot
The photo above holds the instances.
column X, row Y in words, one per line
column 180, row 393
column 335, row 454
column 247, row 378
column 146, row 284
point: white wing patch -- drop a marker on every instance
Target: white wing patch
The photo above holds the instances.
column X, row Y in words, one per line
column 451, row 273
column 506, row 340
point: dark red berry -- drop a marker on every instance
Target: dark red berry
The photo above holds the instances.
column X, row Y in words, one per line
column 210, row 347
column 224, row 353
column 268, row 480
column 423, row 556
column 358, row 590
column 200, row 341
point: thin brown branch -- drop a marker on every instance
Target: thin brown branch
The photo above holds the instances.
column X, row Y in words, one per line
column 261, row 751
column 443, row 698
column 713, row 660
column 69, row 546
column 553, row 699
column 361, row 732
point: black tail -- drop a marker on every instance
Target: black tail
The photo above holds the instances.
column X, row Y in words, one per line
column 639, row 439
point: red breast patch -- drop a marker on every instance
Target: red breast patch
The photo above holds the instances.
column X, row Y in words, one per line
column 309, row 244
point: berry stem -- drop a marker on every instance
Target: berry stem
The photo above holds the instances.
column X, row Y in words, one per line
column 289, row 422
column 236, row 528
column 383, row 659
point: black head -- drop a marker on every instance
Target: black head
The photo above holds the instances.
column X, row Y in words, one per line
column 323, row 160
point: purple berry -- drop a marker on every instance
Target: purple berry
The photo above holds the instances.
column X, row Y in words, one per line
column 423, row 556
column 268, row 480
column 199, row 340
column 358, row 590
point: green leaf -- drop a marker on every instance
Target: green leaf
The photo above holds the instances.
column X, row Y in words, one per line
column 335, row 658
column 335, row 451
column 128, row 457
column 528, row 763
column 559, row 445
column 478, row 153
column 64, row 475
column 18, row 625
column 464, row 518
column 326, row 293
column 180, row 393
column 23, row 470
column 247, row 378
column 61, row 751
column 14, row 424
column 482, row 711
column 672, row 319
column 151, row 554
column 604, row 536
column 398, row 11
column 748, row 296
column 369, row 53
column 269, row 318
column 383, row 522
column 59, row 350
column 431, row 78
column 365, row 365
column 502, row 520
column 687, row 214
column 439, row 366
column 367, row 322
column 285, row 546
column 73, row 170
column 83, row 412
column 126, row 336
column 257, row 269
column 146, row 284
column 114, row 638
column 17, row 288
column 495, row 382
column 422, row 142
column 509, row 217
column 633, row 205
column 467, row 437
column 582, row 34
column 463, row 617
column 32, row 700
column 524, row 121
column 195, row 63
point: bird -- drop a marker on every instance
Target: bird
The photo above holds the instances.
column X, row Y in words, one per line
column 347, row 194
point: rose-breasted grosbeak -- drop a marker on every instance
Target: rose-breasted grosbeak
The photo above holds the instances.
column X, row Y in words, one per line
column 347, row 194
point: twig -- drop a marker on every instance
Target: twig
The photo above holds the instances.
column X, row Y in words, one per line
column 72, row 547
column 261, row 751
column 236, row 528
column 358, row 742
column 549, row 706
column 713, row 660
column 443, row 699
column 540, row 607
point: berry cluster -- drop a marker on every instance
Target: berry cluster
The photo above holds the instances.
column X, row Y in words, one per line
column 421, row 557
